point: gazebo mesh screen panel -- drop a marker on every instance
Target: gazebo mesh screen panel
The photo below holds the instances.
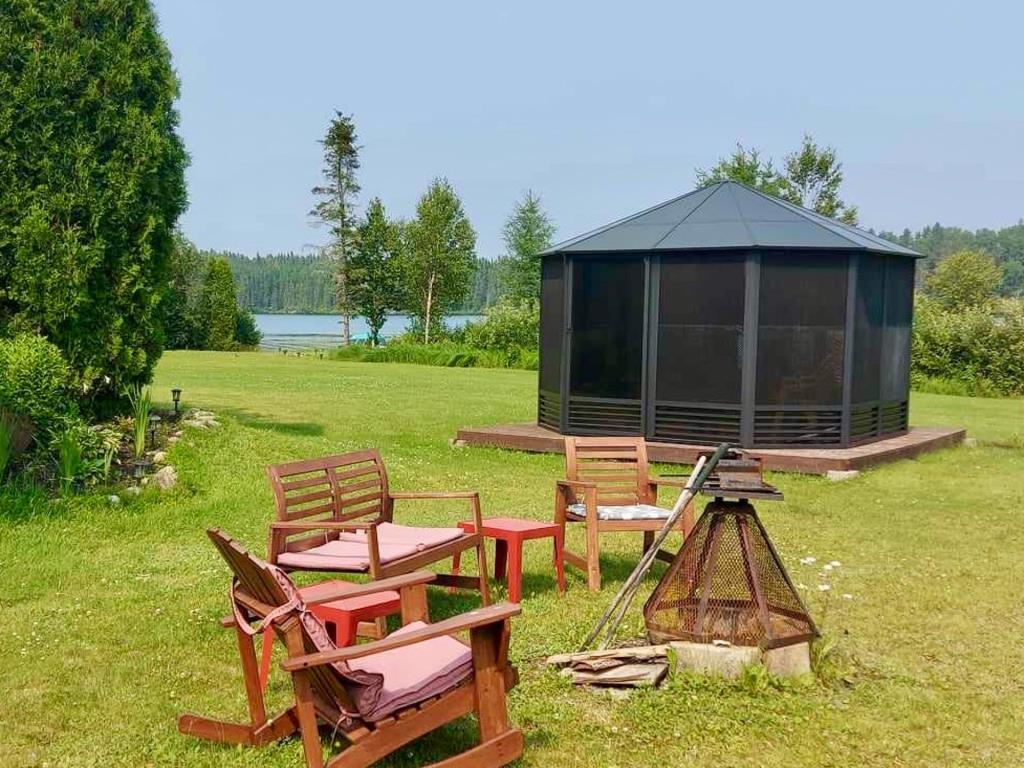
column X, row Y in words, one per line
column 881, row 355
column 552, row 335
column 800, row 347
column 699, row 348
column 899, row 309
column 728, row 583
column 607, row 331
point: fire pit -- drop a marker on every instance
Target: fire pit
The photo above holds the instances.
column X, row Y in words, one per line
column 727, row 582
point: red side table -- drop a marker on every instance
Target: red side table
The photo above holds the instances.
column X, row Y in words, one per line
column 341, row 617
column 509, row 533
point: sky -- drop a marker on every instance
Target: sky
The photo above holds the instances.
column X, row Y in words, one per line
column 602, row 109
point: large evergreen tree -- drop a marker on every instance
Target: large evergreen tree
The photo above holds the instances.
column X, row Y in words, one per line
column 336, row 209
column 439, row 257
column 91, row 182
column 374, row 269
column 527, row 232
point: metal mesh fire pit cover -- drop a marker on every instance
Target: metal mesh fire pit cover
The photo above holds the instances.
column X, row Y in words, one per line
column 727, row 583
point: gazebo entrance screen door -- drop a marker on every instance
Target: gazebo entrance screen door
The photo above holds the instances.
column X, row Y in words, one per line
column 607, row 346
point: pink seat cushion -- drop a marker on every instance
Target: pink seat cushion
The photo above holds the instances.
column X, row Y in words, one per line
column 350, row 551
column 343, row 555
column 410, row 674
column 391, row 680
column 406, row 535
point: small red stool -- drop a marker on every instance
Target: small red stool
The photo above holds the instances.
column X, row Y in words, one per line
column 509, row 533
column 341, row 617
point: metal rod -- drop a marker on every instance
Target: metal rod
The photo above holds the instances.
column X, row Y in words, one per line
column 701, row 472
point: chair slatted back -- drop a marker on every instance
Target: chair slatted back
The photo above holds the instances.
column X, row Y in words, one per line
column 256, row 581
column 618, row 465
column 338, row 488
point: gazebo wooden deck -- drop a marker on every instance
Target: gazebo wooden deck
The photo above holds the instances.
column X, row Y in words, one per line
column 814, row 461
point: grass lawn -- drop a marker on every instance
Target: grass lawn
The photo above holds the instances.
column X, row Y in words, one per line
column 109, row 612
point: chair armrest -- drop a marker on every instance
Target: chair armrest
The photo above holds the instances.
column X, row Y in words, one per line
column 576, row 483
column 434, row 494
column 322, row 525
column 396, row 583
column 491, row 615
column 472, row 496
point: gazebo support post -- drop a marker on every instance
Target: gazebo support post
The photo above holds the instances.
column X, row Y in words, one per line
column 748, row 375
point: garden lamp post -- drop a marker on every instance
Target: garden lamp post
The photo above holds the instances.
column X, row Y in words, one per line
column 154, row 421
column 176, row 397
column 139, row 470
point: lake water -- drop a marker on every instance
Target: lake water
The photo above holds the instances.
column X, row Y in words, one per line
column 324, row 331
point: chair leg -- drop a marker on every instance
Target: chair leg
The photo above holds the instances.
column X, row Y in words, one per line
column 481, row 565
column 251, row 676
column 489, row 680
column 648, row 540
column 593, row 559
column 305, row 709
column 559, row 547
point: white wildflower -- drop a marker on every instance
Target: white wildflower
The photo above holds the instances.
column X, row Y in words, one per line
column 808, row 560
column 824, row 587
column 835, row 563
column 847, row 596
column 827, row 567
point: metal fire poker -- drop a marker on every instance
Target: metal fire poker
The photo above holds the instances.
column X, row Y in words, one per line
column 625, row 596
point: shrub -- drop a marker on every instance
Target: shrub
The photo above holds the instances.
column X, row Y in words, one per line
column 445, row 354
column 35, row 381
column 247, row 335
column 979, row 350
column 507, row 327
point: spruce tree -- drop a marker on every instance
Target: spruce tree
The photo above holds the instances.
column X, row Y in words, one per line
column 336, row 209
column 219, row 306
column 527, row 232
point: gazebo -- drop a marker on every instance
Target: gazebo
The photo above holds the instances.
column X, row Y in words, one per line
column 727, row 315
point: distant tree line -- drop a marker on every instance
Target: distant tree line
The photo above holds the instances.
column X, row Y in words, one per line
column 1005, row 246
column 304, row 283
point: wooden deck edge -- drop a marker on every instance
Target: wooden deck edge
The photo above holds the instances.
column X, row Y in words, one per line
column 534, row 439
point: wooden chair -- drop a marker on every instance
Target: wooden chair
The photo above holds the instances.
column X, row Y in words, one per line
column 608, row 488
column 335, row 514
column 330, row 683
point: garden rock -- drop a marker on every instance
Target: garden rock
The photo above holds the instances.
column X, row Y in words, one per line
column 132, row 490
column 166, row 478
column 160, row 457
column 194, row 423
column 114, row 499
column 723, row 660
column 789, row 661
column 838, row 475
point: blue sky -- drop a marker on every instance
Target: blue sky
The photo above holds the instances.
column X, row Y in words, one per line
column 602, row 109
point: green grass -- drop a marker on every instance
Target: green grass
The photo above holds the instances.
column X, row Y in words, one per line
column 109, row 613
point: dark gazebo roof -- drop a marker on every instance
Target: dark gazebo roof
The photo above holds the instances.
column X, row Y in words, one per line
column 726, row 215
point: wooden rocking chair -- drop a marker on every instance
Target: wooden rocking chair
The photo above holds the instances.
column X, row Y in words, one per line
column 608, row 488
column 335, row 514
column 380, row 695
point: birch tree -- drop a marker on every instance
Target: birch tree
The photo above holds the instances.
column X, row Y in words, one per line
column 439, row 258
